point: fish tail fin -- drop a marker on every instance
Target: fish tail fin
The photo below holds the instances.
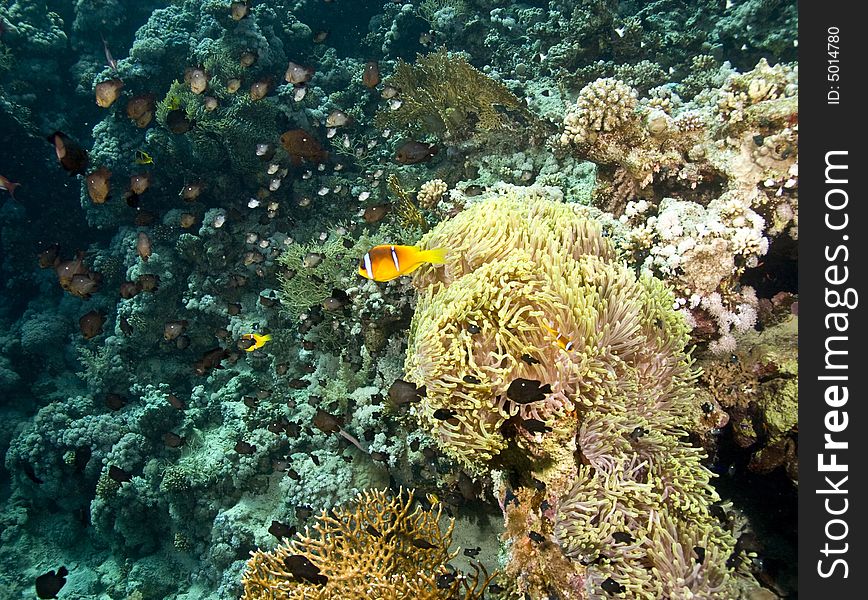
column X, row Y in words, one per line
column 435, row 256
column 265, row 338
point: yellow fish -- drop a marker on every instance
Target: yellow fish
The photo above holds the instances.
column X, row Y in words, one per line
column 258, row 340
column 386, row 262
column 563, row 341
column 143, row 158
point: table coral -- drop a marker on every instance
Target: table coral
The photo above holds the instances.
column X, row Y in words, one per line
column 374, row 548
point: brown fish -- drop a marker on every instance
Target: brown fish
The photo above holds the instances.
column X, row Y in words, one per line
column 210, row 360
column 376, row 213
column 143, row 246
column 192, row 190
column 389, row 92
column 281, row 530
column 91, row 324
column 242, row 447
column 140, row 109
column 173, row 329
column 326, row 422
column 119, row 475
column 187, row 220
column 337, row 118
column 404, row 392
column 139, row 183
column 71, row 156
column 320, row 36
column 144, row 218
column 67, row 269
column 98, row 186
column 411, row 153
column 148, row 282
column 371, row 74
column 300, row 567
column 107, row 92
column 172, row 440
column 125, row 326
column 115, row 401
column 9, row 186
column 301, row 145
column 260, row 89
column 48, row 258
column 197, row 79
column 83, row 285
column 233, row 85
column 297, row 74
column 248, row 58
column 238, row 10
column 177, row 121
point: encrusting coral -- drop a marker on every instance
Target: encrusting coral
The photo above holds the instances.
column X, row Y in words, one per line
column 532, row 296
column 375, row 548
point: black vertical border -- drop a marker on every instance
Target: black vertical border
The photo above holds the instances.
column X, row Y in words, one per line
column 828, row 127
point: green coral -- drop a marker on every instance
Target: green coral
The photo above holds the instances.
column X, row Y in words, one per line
column 304, row 286
column 442, row 95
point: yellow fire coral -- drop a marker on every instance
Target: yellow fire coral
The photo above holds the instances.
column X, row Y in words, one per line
column 375, row 548
column 440, row 93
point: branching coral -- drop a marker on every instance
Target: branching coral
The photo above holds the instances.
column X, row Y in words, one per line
column 376, row 548
column 703, row 186
column 312, row 271
column 605, row 105
column 444, row 95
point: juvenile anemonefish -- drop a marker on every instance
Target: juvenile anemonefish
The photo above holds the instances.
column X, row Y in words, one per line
column 258, row 340
column 386, row 262
column 563, row 341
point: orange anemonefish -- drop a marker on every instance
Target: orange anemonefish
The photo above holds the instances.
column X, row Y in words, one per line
column 258, row 340
column 563, row 341
column 386, row 262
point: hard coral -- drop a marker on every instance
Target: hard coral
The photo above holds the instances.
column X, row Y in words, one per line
column 604, row 105
column 376, row 548
column 443, row 94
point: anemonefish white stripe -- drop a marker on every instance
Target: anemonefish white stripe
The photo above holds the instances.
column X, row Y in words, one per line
column 395, row 258
column 369, row 269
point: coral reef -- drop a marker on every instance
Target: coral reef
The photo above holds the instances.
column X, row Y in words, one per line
column 703, row 187
column 192, row 368
column 374, row 546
